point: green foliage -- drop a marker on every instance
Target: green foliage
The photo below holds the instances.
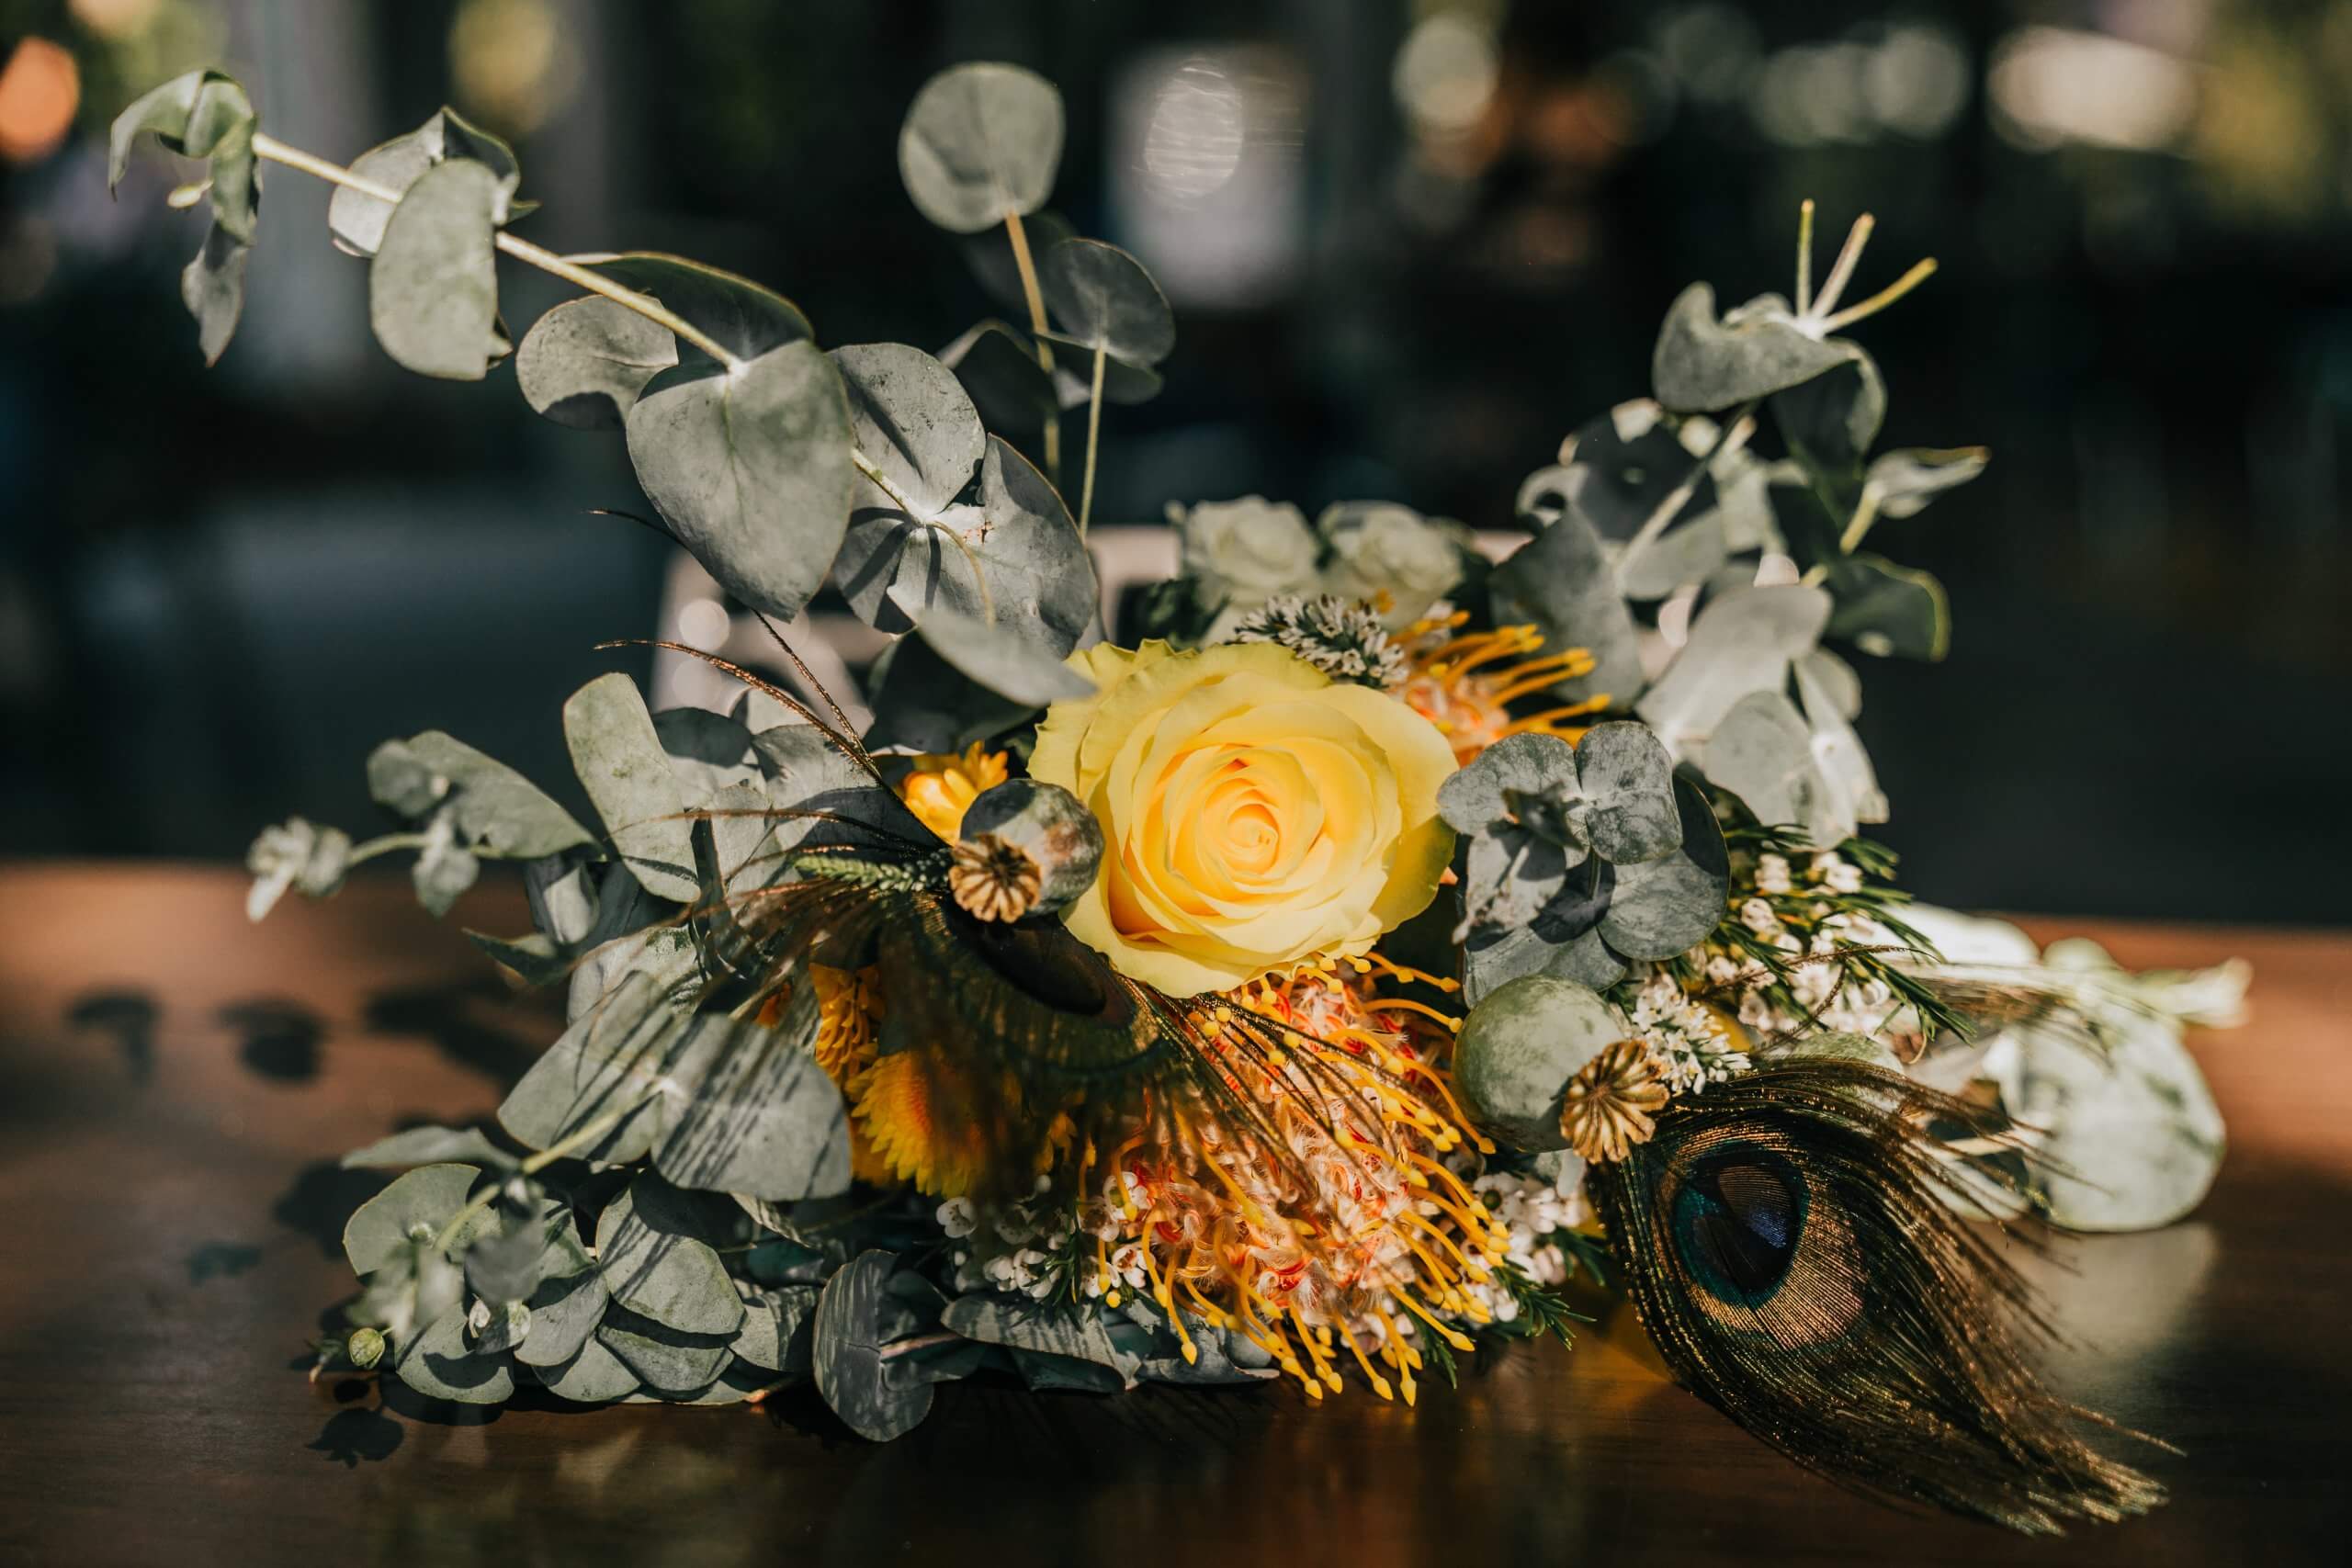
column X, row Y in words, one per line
column 433, row 287
column 981, row 142
column 204, row 115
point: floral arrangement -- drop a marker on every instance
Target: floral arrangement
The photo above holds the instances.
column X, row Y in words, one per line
column 1299, row 982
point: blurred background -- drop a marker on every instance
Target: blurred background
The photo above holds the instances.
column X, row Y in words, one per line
column 1411, row 244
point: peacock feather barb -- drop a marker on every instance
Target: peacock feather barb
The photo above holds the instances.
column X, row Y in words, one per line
column 1792, row 1243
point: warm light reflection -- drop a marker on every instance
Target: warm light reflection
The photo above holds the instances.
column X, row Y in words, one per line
column 2053, row 86
column 511, row 62
column 115, row 20
column 40, row 90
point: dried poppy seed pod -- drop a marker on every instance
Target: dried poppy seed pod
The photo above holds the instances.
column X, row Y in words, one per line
column 1522, row 1050
column 1024, row 848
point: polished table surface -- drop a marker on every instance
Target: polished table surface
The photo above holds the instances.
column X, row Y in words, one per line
column 175, row 1087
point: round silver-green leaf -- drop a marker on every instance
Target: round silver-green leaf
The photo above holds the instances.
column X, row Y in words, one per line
column 982, row 140
column 432, row 287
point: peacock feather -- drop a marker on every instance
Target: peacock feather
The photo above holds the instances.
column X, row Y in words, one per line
column 1791, row 1241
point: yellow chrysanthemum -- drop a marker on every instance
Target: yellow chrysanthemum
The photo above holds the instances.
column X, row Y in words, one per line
column 849, row 1008
column 942, row 786
column 916, row 1135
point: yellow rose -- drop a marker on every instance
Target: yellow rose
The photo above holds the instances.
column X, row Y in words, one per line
column 1256, row 815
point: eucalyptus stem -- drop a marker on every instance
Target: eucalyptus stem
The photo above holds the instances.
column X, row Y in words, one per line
column 579, row 1140
column 384, row 846
column 1035, row 297
column 277, row 151
column 1805, row 256
column 1920, row 272
column 1843, row 268
column 1865, row 514
column 1730, row 436
column 1093, row 432
column 897, row 498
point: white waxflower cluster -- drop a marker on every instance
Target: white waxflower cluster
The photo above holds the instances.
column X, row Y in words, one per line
column 1828, row 999
column 1026, row 1246
column 1688, row 1042
column 1534, row 1210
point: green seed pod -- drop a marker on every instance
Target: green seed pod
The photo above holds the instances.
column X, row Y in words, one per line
column 1025, row 848
column 1521, row 1046
column 365, row 1348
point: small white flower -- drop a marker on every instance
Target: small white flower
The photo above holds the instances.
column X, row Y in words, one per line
column 958, row 1218
column 1772, row 874
column 1757, row 916
column 1836, row 873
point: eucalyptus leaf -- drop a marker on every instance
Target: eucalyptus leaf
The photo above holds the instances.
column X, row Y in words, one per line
column 621, row 764
column 1830, row 421
column 1660, row 909
column 1035, row 588
column 356, row 219
column 1625, row 465
column 1904, row 480
column 416, row 1206
column 586, row 361
column 213, row 287
column 1703, row 364
column 746, row 319
column 428, row 1145
column 610, row 1066
column 921, row 703
column 708, row 752
column 805, row 773
column 202, row 114
column 866, row 1392
column 999, row 658
column 1888, row 610
column 750, row 469
column 499, row 814
column 981, row 141
column 756, row 1115
column 591, row 1375
column 565, row 1310
column 778, row 1329
column 1762, row 752
column 1836, row 750
column 913, row 421
column 668, row 1361
column 444, row 867
column 439, row 1364
column 657, row 1267
column 997, row 365
column 432, row 287
column 2133, row 1136
column 1062, row 1328
column 1102, row 299
column 1629, row 780
column 1560, row 582
column 1741, row 642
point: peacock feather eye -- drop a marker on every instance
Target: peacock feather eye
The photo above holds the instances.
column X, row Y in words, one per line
column 1737, row 1221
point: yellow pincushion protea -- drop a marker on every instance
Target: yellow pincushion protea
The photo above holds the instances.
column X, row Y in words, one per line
column 942, row 786
column 1464, row 682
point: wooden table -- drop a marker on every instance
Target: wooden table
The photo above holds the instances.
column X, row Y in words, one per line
column 175, row 1087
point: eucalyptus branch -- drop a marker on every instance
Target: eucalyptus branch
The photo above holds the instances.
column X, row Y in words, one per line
column 1805, row 256
column 384, row 846
column 277, row 151
column 584, row 1137
column 1036, row 299
column 1093, row 432
column 1730, row 436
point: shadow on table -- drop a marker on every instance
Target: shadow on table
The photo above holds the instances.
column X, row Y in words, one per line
column 450, row 1017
